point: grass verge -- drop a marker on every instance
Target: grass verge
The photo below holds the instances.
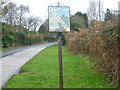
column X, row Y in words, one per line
column 5, row 48
column 42, row 72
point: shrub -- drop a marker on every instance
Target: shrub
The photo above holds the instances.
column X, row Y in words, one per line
column 21, row 38
column 49, row 38
column 63, row 39
column 5, row 44
column 11, row 38
column 75, row 26
column 8, row 38
column 42, row 29
column 35, row 38
column 99, row 41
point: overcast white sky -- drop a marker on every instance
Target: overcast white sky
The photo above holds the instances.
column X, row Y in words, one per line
column 39, row 7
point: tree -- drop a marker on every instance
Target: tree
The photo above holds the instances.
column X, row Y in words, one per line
column 31, row 23
column 108, row 15
column 100, row 9
column 83, row 18
column 22, row 10
column 36, row 22
column 84, row 15
column 42, row 29
column 119, row 13
column 9, row 13
column 2, row 4
column 95, row 10
column 111, row 15
column 14, row 16
column 92, row 10
column 80, row 19
column 46, row 25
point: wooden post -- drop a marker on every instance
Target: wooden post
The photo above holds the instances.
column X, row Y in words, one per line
column 60, row 59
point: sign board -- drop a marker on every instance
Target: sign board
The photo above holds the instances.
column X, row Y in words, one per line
column 59, row 19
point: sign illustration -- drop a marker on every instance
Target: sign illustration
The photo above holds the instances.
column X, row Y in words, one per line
column 59, row 19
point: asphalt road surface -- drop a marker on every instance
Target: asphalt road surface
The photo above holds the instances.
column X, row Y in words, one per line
column 12, row 60
column 18, row 49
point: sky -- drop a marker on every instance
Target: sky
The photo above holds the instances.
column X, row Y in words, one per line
column 40, row 7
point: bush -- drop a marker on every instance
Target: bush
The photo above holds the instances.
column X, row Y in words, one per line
column 8, row 38
column 49, row 38
column 99, row 41
column 21, row 38
column 35, row 38
column 75, row 26
column 42, row 29
column 5, row 44
column 11, row 38
column 63, row 40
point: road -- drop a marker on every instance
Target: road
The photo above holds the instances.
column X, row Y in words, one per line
column 15, row 50
column 12, row 63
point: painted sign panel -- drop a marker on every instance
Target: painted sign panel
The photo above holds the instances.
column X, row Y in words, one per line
column 59, row 19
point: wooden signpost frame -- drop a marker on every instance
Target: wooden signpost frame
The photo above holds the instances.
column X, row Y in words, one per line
column 60, row 50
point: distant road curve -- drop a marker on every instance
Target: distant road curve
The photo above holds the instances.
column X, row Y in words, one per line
column 18, row 49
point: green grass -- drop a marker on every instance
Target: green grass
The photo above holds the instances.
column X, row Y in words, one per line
column 42, row 72
column 6, row 48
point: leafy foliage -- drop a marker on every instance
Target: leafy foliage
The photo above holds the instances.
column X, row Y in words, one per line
column 11, row 38
column 99, row 41
column 7, row 36
column 82, row 15
column 49, row 38
column 35, row 38
column 111, row 15
column 21, row 38
column 79, row 20
column 42, row 29
column 75, row 26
